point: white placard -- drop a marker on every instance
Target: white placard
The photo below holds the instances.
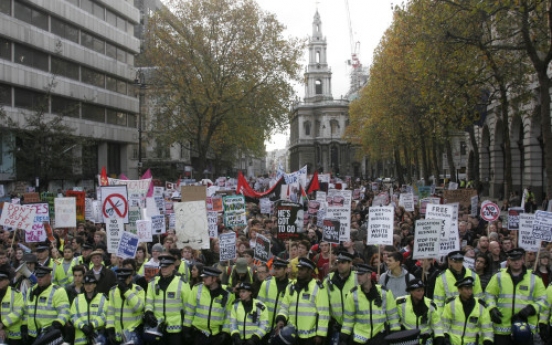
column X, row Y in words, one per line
column 380, row 225
column 426, row 238
column 18, row 216
column 114, row 229
column 212, row 218
column 114, row 203
column 158, row 224
column 128, row 244
column 191, row 224
column 406, row 200
column 227, row 244
column 526, row 240
column 450, row 238
column 143, row 230
column 65, row 212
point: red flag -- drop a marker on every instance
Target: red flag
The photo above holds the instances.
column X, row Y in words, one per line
column 103, row 177
column 313, row 184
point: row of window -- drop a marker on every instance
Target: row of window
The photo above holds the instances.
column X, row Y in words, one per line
column 32, row 100
column 49, row 63
column 65, row 30
column 104, row 14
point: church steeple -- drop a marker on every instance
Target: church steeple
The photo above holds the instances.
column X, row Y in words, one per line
column 318, row 74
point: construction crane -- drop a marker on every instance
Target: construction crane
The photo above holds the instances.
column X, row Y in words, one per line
column 354, row 62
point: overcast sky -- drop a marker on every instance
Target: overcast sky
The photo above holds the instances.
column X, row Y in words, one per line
column 369, row 20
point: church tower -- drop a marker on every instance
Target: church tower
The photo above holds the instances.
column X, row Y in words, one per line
column 318, row 74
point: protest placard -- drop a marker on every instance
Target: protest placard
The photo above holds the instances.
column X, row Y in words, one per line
column 234, row 210
column 406, row 200
column 42, row 215
column 191, row 225
column 158, row 224
column 462, row 196
column 425, row 201
column 320, row 216
column 158, row 192
column 474, row 201
column 290, row 219
column 150, row 271
column 66, row 213
column 151, row 207
column 262, row 248
column 212, row 219
column 80, row 202
column 114, row 203
column 526, row 240
column 330, row 230
column 313, row 207
column 449, row 238
column 227, row 245
column 382, row 199
column 426, row 238
column 339, row 207
column 18, row 216
column 265, row 205
column 513, row 217
column 137, row 190
column 356, row 195
column 114, row 230
column 321, row 196
column 542, row 226
column 133, row 216
column 452, row 186
column 380, row 225
column 172, row 220
column 128, row 244
column 49, row 198
column 89, row 209
column 143, row 230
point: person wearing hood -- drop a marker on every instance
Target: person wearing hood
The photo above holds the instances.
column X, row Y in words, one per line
column 88, row 311
column 396, row 278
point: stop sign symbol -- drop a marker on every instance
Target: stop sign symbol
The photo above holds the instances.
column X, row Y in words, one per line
column 490, row 211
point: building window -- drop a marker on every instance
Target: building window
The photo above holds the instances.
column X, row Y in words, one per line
column 111, row 50
column 29, row 99
column 65, row 106
column 121, row 87
column 31, row 57
column 307, row 126
column 132, row 121
column 5, row 49
column 318, row 87
column 5, row 7
column 65, row 68
column 5, row 95
column 92, row 77
column 113, row 158
column 318, row 57
column 121, row 23
column 30, row 15
column 92, row 42
column 334, row 128
column 65, row 30
column 115, row 117
column 93, row 112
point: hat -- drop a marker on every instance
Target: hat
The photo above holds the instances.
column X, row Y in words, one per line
column 166, row 260
column 124, row 272
column 210, row 272
column 364, row 268
column 158, row 248
column 246, row 286
column 42, row 246
column 41, row 271
column 4, row 274
column 87, row 246
column 96, row 252
column 467, row 281
column 29, row 258
column 90, row 278
column 456, row 255
column 280, row 263
column 406, row 337
column 241, row 265
column 304, row 262
column 414, row 284
column 344, row 256
column 515, row 254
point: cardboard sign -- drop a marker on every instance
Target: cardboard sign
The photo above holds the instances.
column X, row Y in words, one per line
column 191, row 224
column 234, row 210
column 18, row 216
column 66, row 212
column 513, row 217
column 331, row 230
column 526, row 240
column 262, row 248
column 128, row 244
column 115, row 203
column 212, row 219
column 114, row 230
column 290, row 219
column 158, row 224
column 150, row 271
column 143, row 230
column 426, row 239
column 542, row 226
column 461, row 196
column 42, row 215
column 80, row 199
column 380, row 225
column 227, row 244
column 449, row 238
column 31, row 197
column 49, row 198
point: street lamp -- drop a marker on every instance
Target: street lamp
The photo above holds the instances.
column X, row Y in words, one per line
column 138, row 81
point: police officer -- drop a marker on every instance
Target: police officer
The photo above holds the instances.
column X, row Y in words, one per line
column 338, row 285
column 305, row 305
column 43, row 255
column 46, row 305
column 63, row 270
column 11, row 311
column 88, row 312
column 370, row 312
column 248, row 318
column 466, row 319
column 272, row 290
column 165, row 302
column 419, row 312
column 445, row 283
column 208, row 311
column 514, row 293
column 125, row 308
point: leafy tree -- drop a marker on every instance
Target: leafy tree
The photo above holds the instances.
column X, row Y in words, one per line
column 223, row 73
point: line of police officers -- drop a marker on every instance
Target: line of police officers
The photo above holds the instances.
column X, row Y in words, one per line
column 348, row 307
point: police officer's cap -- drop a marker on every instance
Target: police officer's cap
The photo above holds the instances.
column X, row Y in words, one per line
column 245, row 286
column 515, row 254
column 166, row 260
column 345, row 256
column 414, row 284
column 29, row 258
column 211, row 272
column 87, row 246
column 90, row 278
column 280, row 263
column 467, row 281
column 364, row 268
column 409, row 336
column 304, row 262
column 4, row 274
column 456, row 255
column 124, row 272
column 42, row 246
column 41, row 271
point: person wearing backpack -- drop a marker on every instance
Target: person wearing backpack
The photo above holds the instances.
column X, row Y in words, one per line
column 396, row 278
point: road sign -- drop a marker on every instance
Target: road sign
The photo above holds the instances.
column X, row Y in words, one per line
column 115, row 203
column 490, row 211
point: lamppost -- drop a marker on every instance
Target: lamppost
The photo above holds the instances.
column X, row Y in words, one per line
column 138, row 81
